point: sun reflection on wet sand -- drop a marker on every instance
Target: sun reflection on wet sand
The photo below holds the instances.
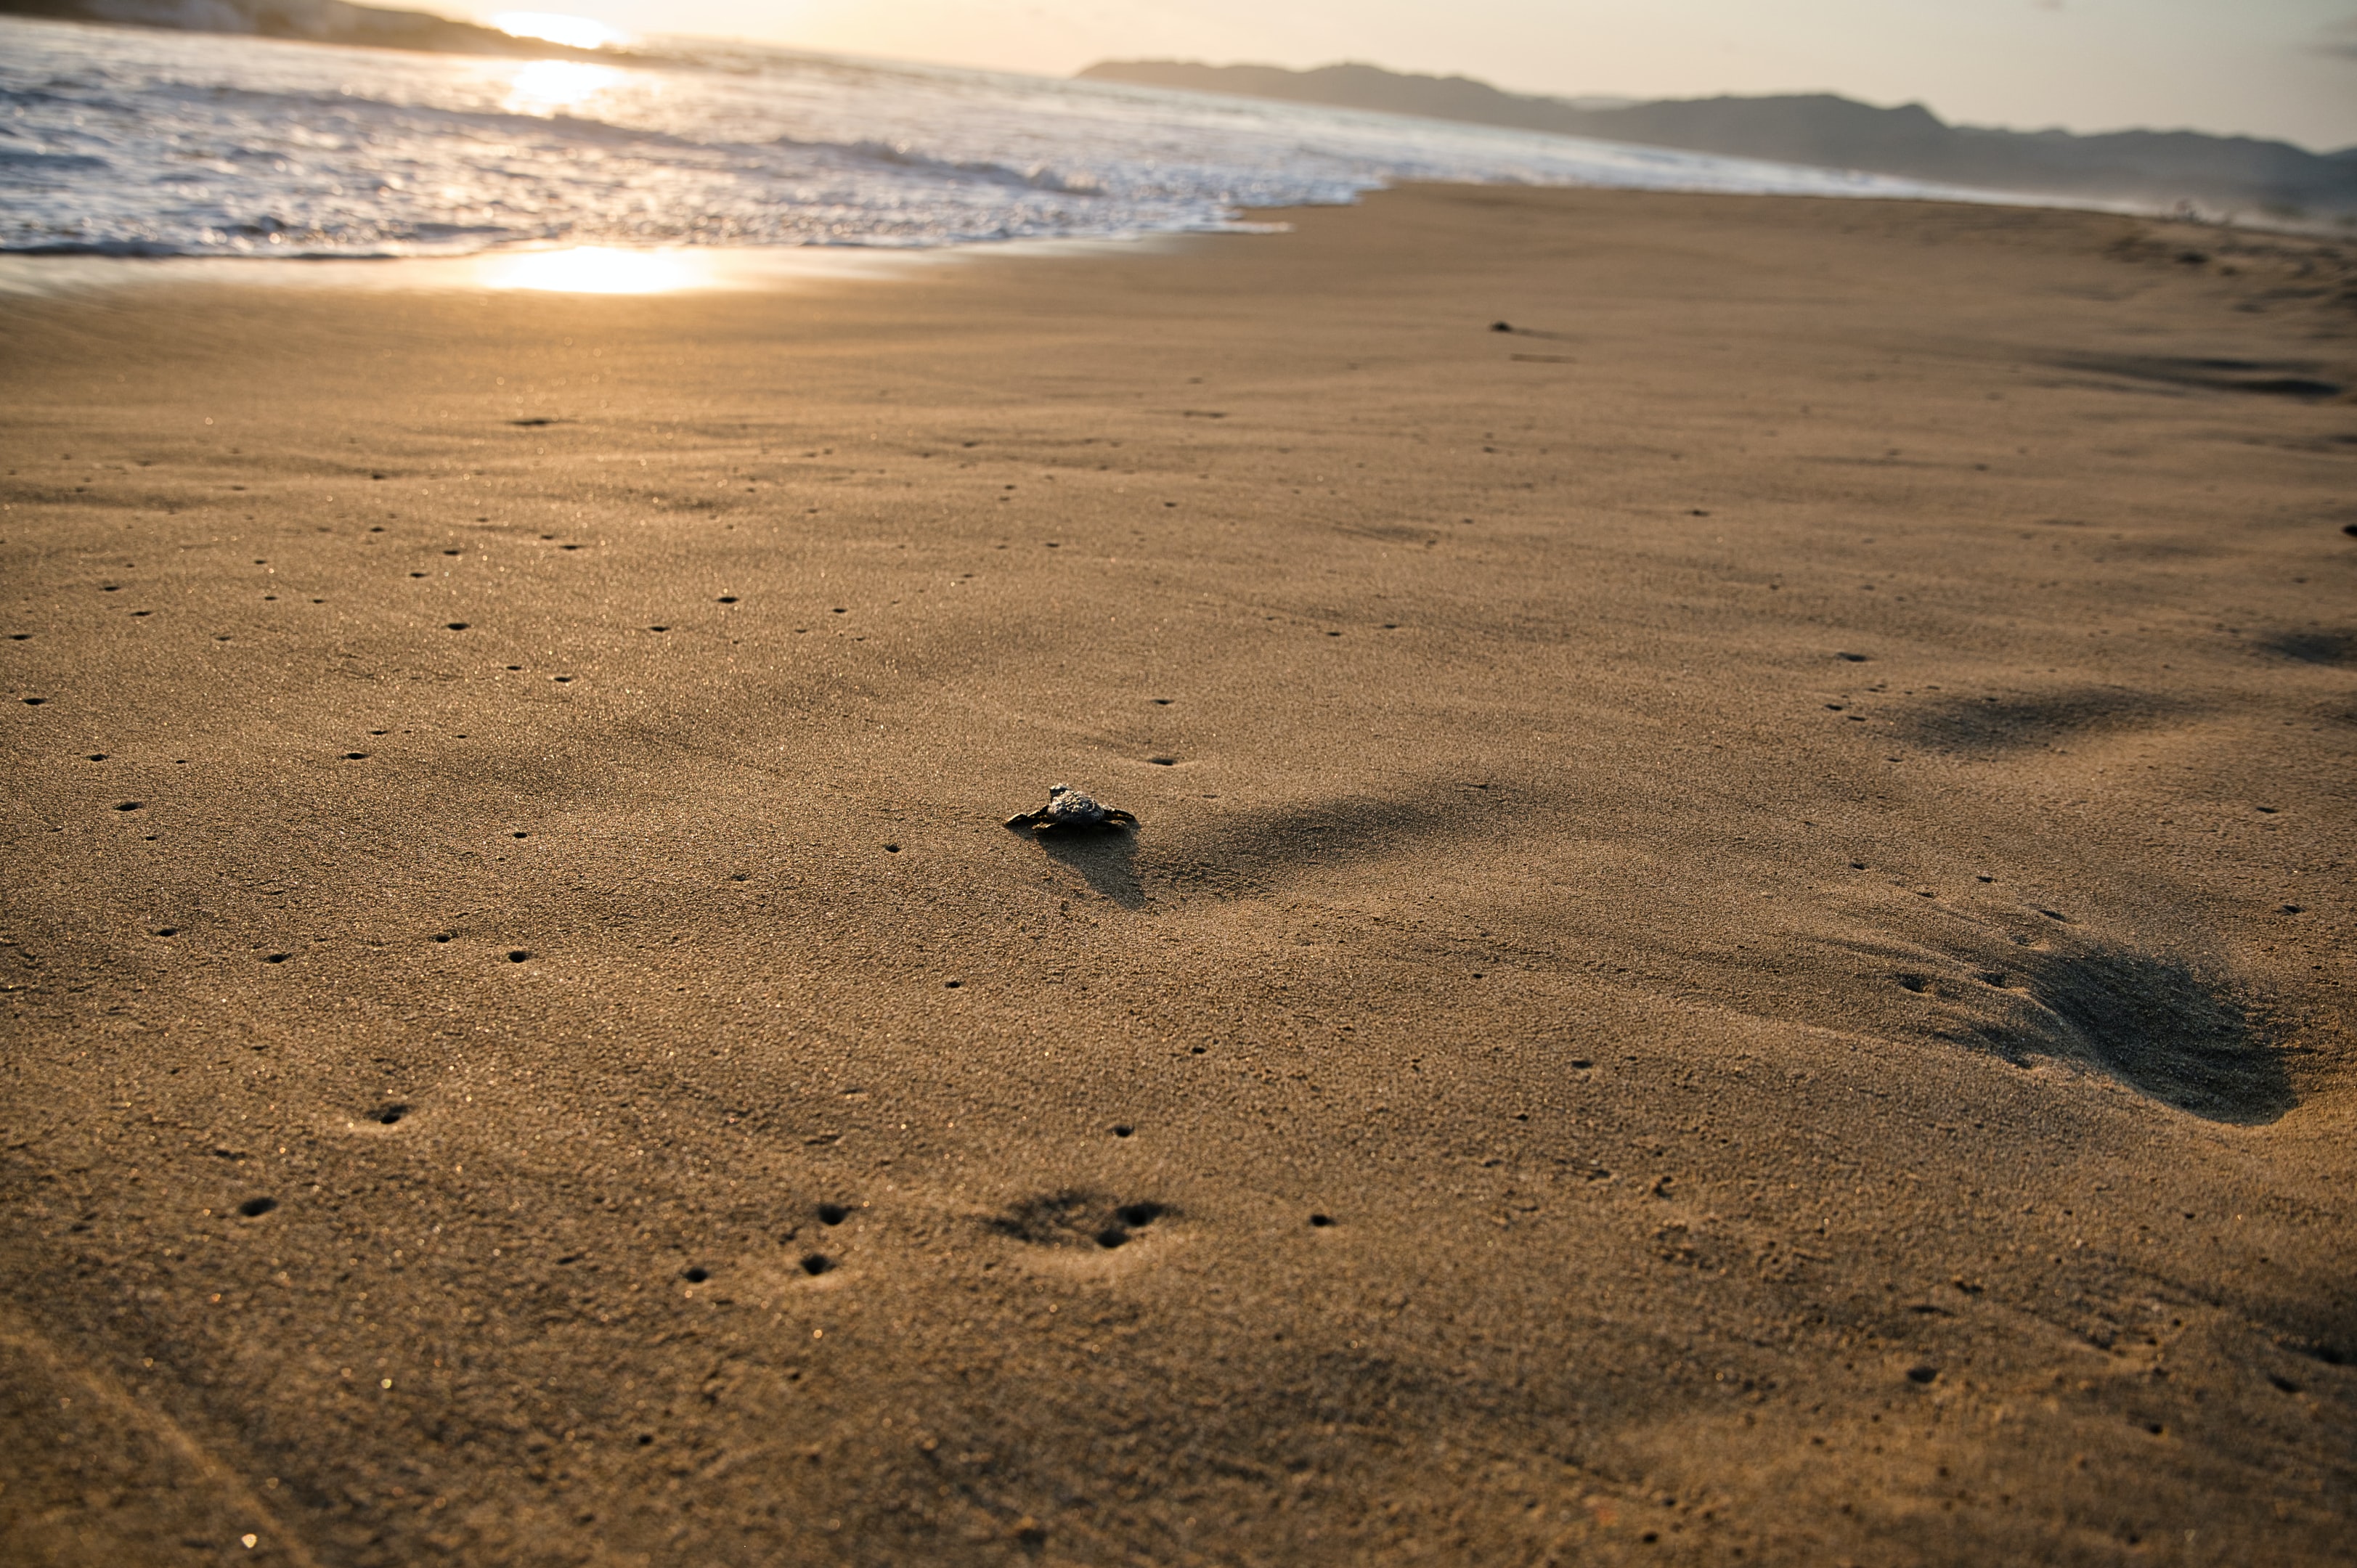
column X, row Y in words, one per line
column 585, row 269
column 599, row 269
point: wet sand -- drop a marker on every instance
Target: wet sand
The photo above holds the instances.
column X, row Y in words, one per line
column 1738, row 947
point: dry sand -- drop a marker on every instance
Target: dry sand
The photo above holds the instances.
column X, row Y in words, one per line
column 1739, row 947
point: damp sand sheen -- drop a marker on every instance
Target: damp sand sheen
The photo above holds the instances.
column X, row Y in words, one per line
column 1737, row 938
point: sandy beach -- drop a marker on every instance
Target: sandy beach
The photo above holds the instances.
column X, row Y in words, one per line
column 1738, row 948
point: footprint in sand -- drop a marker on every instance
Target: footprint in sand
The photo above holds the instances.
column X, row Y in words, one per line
column 1077, row 1218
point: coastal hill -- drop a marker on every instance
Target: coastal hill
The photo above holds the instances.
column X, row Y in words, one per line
column 312, row 21
column 2216, row 174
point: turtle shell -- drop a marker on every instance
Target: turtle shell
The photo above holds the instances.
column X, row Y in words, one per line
column 1067, row 807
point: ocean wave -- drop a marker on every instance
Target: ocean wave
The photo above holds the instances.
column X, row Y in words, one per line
column 123, row 141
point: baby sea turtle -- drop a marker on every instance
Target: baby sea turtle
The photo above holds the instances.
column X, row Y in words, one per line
column 1068, row 808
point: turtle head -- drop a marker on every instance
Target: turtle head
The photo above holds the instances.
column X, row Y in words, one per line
column 1056, row 789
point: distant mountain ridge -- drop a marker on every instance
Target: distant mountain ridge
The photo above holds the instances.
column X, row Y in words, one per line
column 312, row 21
column 2215, row 174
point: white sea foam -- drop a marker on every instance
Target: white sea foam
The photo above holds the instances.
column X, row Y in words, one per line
column 118, row 141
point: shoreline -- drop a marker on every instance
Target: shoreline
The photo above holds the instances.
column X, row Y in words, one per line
column 674, row 268
column 1736, row 936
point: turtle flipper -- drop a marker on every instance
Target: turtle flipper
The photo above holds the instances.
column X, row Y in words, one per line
column 1120, row 818
column 1025, row 819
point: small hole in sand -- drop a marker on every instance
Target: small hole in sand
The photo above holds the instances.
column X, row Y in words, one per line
column 97, row 756
column 817, row 1263
column 519, row 835
column 442, row 936
column 1851, row 658
column 356, row 757
column 168, row 930
column 1137, row 1214
column 386, row 1115
column 1581, row 1062
column 728, row 598
column 1163, row 761
column 1322, row 1220
column 695, row 1276
column 457, row 625
column 275, row 957
column 952, row 984
column 1921, row 1374
column 1123, row 1130
column 517, row 955
column 256, row 1207
column 1112, row 1236
column 658, row 629
column 891, row 849
column 832, row 1213
column 35, row 702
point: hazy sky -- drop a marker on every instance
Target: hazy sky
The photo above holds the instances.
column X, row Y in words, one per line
column 2273, row 68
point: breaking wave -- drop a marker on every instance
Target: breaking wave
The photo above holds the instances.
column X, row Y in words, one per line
column 136, row 142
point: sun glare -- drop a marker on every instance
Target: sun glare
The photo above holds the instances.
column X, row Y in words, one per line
column 547, row 87
column 595, row 269
column 573, row 32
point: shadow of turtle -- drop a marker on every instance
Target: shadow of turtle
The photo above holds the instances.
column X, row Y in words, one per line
column 2311, row 647
column 1991, row 724
column 2156, row 1025
column 1106, row 859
